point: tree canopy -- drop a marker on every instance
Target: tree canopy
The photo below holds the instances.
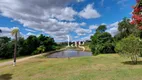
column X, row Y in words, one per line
column 137, row 16
column 101, row 28
column 31, row 45
column 101, row 41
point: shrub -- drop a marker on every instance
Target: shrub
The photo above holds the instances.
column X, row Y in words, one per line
column 41, row 49
column 35, row 52
column 129, row 47
column 102, row 43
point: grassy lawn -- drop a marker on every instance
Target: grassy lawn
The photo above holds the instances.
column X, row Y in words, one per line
column 5, row 60
column 102, row 67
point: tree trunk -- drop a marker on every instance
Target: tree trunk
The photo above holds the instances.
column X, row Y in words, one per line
column 134, row 59
column 15, row 50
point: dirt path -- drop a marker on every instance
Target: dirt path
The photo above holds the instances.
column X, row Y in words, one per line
column 27, row 58
column 20, row 60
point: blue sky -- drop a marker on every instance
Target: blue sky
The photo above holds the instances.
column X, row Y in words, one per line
column 59, row 18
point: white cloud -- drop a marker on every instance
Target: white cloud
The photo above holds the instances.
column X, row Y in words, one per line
column 35, row 9
column 81, row 31
column 83, row 24
column 89, row 12
column 64, row 14
column 88, row 37
column 113, row 28
column 76, row 37
column 131, row 13
column 5, row 29
column 47, row 16
column 113, row 31
column 29, row 33
column 103, row 24
column 7, row 32
column 30, row 30
column 42, row 15
column 115, row 24
column 93, row 27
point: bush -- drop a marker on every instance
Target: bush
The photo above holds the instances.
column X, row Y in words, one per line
column 41, row 49
column 35, row 52
column 108, row 48
column 129, row 47
column 6, row 48
column 102, row 43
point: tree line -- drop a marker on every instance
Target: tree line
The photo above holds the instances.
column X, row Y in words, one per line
column 127, row 40
column 30, row 46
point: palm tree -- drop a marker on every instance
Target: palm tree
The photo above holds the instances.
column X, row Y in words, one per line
column 14, row 33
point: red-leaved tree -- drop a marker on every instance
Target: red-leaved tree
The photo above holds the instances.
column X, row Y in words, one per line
column 137, row 14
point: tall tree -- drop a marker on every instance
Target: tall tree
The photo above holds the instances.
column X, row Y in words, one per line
column 101, row 28
column 137, row 18
column 15, row 32
column 125, row 28
column 137, row 14
column 101, row 41
column 6, row 47
column 31, row 44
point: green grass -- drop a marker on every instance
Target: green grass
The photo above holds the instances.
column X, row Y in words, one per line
column 4, row 60
column 102, row 67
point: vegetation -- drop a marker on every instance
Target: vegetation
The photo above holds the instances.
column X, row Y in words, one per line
column 136, row 18
column 126, row 41
column 6, row 47
column 86, row 45
column 31, row 45
column 131, row 33
column 40, row 49
column 15, row 34
column 101, row 41
column 101, row 67
column 129, row 47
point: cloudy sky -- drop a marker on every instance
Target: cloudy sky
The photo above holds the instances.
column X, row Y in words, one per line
column 59, row 18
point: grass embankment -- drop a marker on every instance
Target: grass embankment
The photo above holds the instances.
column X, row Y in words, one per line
column 87, row 49
column 102, row 67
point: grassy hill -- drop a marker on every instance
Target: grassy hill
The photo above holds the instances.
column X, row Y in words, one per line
column 102, row 67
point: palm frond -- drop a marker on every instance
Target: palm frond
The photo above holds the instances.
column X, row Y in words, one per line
column 14, row 31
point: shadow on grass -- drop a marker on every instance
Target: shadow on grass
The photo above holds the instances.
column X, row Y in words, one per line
column 131, row 63
column 6, row 77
